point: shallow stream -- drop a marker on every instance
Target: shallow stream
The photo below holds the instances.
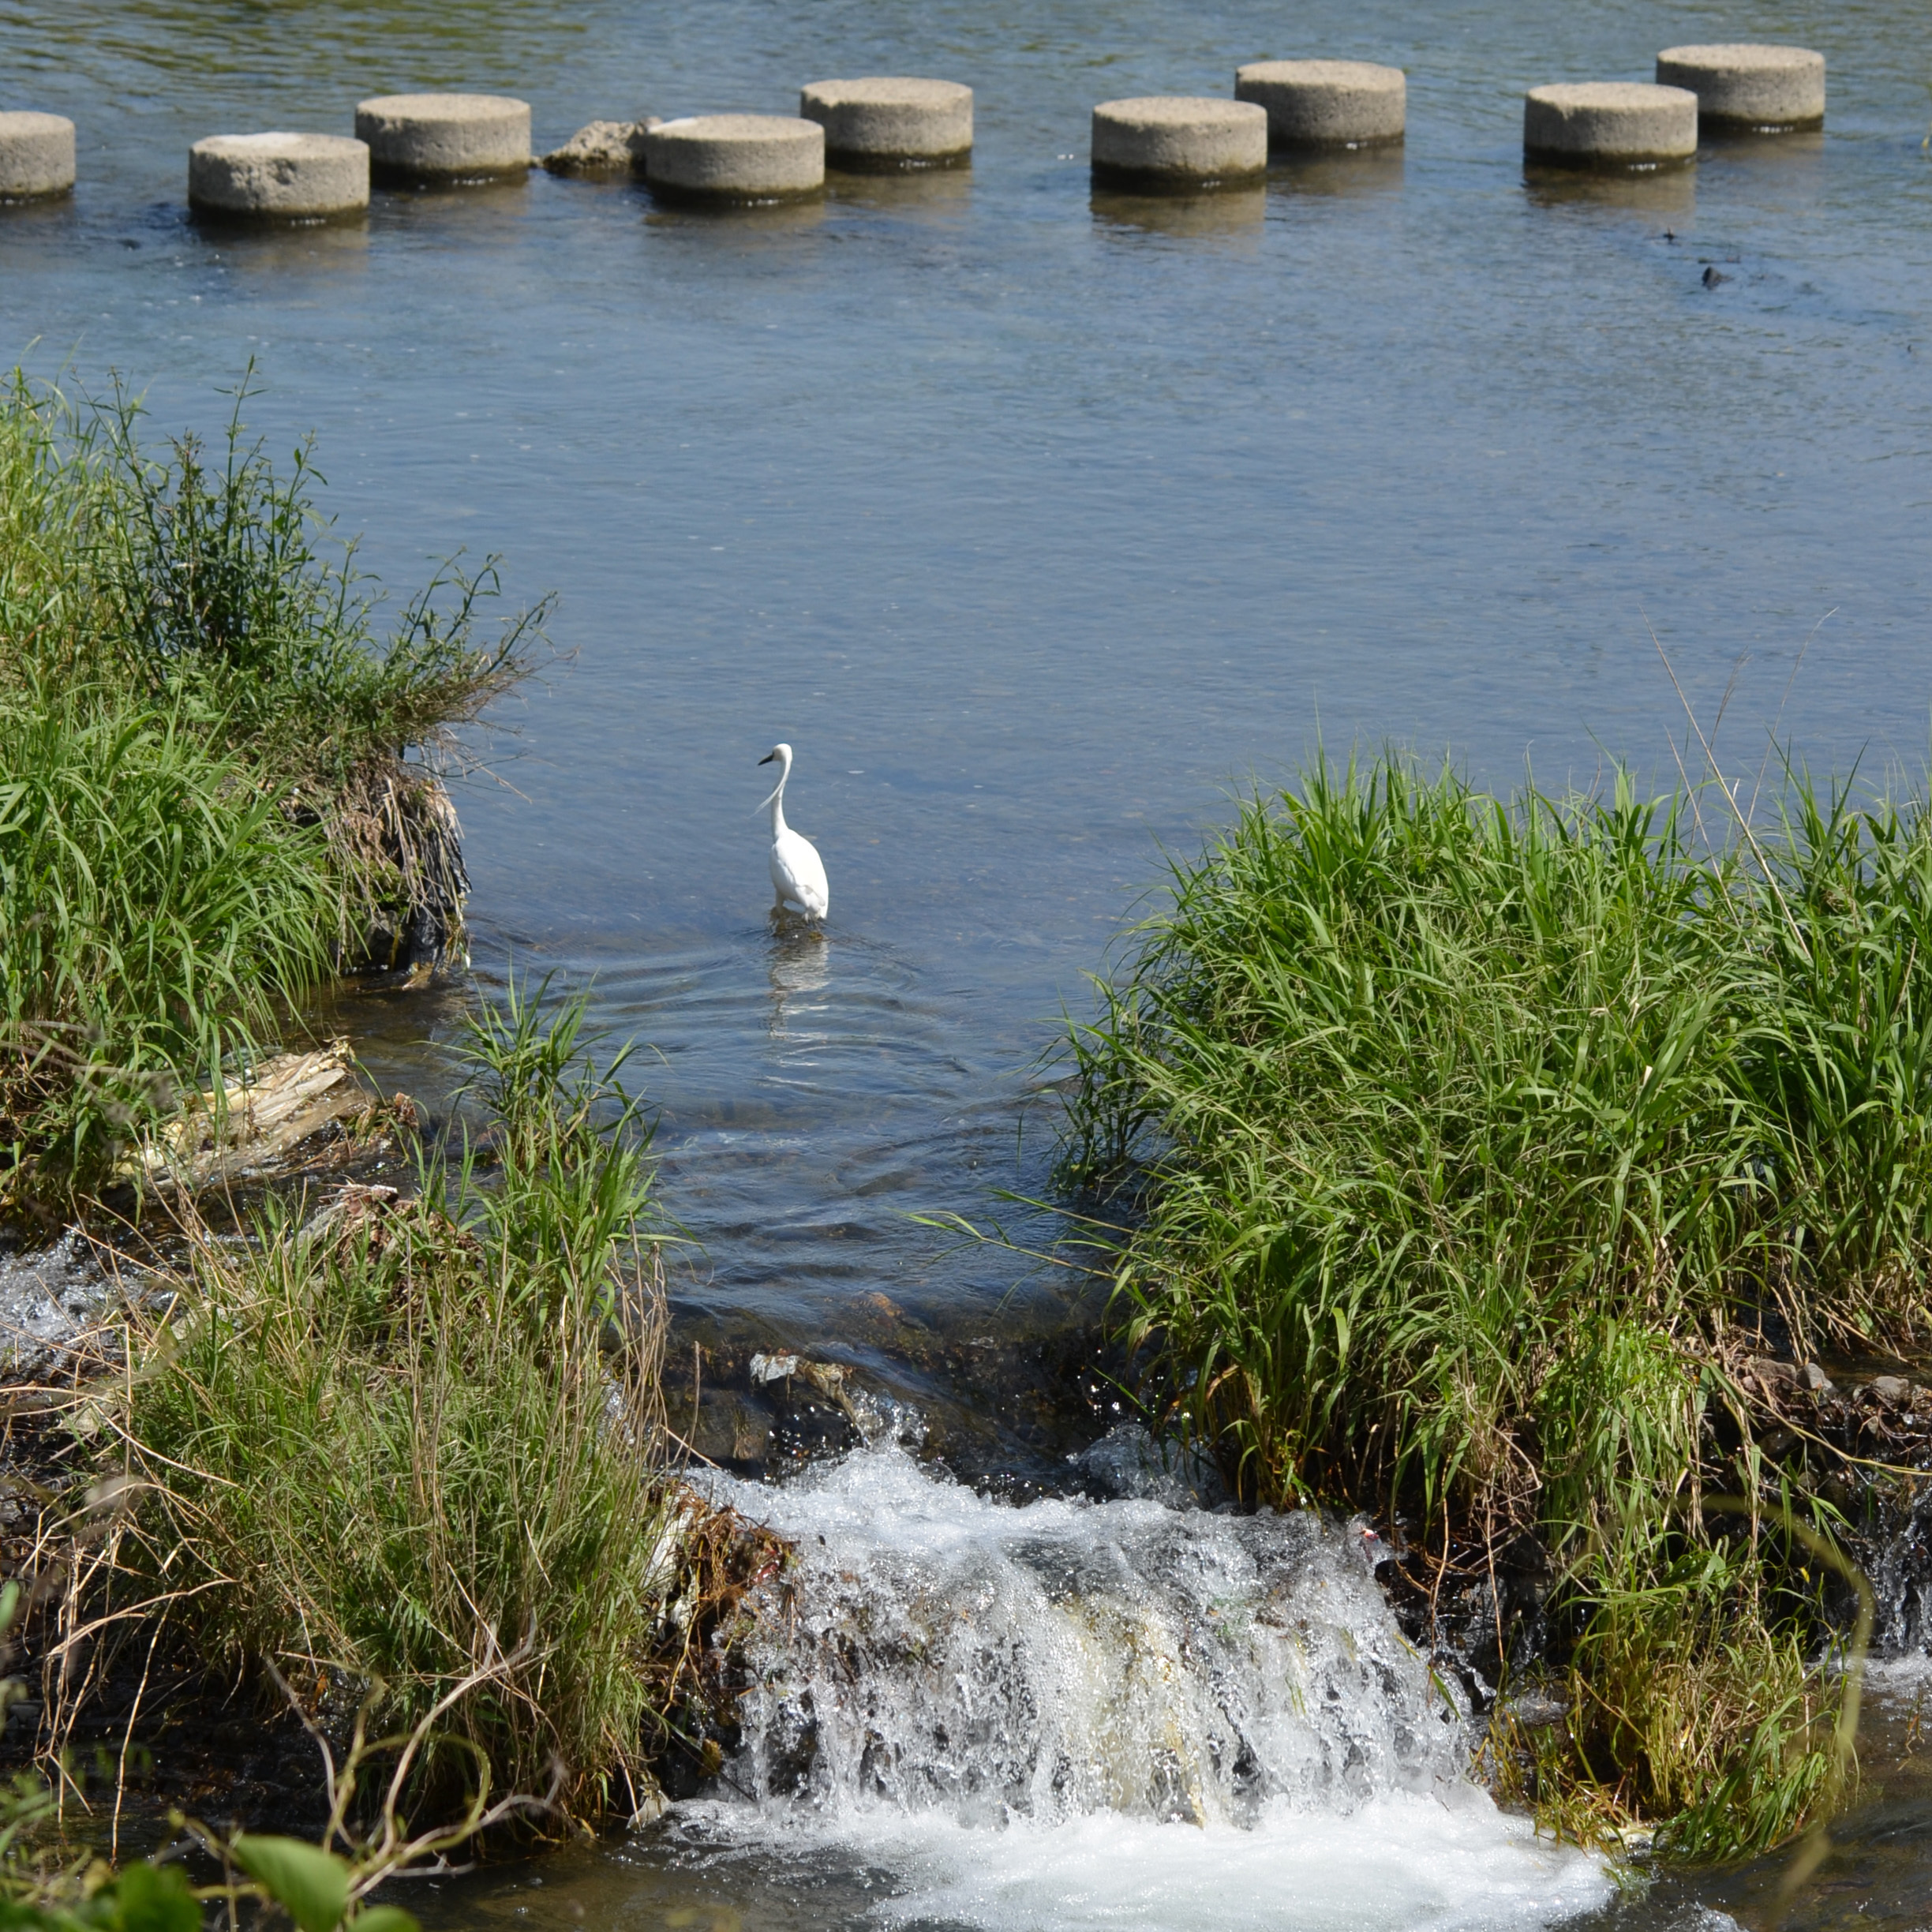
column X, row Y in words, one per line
column 1036, row 522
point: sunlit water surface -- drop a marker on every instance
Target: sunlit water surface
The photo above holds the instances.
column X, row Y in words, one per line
column 1036, row 521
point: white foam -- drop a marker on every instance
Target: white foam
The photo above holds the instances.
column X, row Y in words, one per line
column 934, row 1649
column 1113, row 1716
column 1899, row 1677
column 1402, row 1863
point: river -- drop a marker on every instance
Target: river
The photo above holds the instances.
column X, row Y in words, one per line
column 1036, row 522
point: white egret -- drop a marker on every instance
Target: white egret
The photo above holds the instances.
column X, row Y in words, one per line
column 797, row 870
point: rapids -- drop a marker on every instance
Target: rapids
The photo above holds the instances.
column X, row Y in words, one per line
column 1104, row 1714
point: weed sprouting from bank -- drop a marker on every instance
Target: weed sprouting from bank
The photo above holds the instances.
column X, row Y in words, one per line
column 1471, row 1146
column 219, row 780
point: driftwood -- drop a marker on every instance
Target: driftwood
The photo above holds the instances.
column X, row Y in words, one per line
column 256, row 1120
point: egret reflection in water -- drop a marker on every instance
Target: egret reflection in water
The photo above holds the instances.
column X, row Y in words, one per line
column 800, row 966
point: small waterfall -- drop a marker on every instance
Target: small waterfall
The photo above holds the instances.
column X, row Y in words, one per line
column 1117, row 1714
column 1896, row 1551
column 940, row 1650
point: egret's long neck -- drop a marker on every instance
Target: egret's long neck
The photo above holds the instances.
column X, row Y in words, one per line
column 777, row 801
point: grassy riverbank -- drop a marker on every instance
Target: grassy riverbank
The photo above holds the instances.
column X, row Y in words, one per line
column 411, row 1454
column 217, row 777
column 1469, row 1150
column 399, row 1457
column 395, row 1474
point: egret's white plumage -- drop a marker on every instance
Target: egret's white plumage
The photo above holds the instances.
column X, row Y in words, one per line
column 797, row 871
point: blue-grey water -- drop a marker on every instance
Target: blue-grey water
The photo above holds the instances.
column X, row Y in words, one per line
column 1034, row 522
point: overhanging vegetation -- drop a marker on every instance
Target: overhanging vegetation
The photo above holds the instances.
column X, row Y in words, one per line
column 1468, row 1149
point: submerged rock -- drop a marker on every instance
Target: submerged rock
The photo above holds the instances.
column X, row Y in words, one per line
column 730, row 1429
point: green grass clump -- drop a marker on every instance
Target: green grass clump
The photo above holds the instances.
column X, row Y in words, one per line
column 217, row 587
column 396, row 1445
column 1466, row 1139
column 1697, row 1707
column 151, row 900
column 203, row 578
column 219, row 780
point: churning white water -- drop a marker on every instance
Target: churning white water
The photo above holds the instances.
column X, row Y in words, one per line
column 1112, row 1715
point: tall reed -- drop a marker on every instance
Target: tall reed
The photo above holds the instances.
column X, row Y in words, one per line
column 154, row 900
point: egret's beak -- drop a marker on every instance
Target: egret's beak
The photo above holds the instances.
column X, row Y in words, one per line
column 768, row 758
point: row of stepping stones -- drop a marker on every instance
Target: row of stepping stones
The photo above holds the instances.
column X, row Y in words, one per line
column 1158, row 143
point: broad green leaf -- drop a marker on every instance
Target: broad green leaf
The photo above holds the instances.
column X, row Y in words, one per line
column 312, row 1884
column 155, row 1898
column 384, row 1918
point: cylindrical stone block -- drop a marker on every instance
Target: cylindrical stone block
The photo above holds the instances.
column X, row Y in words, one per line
column 737, row 157
column 1321, row 103
column 1749, row 89
column 36, row 156
column 288, row 177
column 1169, row 143
column 1612, row 124
column 883, row 122
column 445, row 137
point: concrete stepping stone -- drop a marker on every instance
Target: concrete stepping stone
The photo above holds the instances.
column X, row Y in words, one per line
column 1326, row 103
column 735, row 157
column 884, row 122
column 36, row 156
column 1610, row 124
column 1175, row 143
column 445, row 137
column 278, row 176
column 1745, row 88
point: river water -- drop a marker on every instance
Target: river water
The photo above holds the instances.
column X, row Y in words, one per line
column 1036, row 522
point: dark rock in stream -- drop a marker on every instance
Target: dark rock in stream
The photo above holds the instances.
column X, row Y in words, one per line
column 777, row 1411
column 1478, row 1614
column 730, row 1429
